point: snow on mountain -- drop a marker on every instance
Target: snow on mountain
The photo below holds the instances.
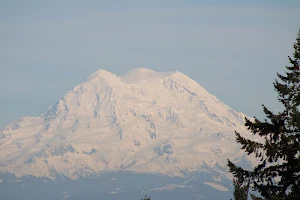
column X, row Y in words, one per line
column 144, row 121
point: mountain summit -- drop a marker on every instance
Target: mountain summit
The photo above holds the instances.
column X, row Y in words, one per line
column 144, row 121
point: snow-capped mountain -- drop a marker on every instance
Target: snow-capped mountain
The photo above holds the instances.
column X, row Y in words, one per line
column 144, row 121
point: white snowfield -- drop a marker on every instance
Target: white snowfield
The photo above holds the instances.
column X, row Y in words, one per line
column 144, row 121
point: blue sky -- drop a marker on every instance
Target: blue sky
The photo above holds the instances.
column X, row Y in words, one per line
column 231, row 48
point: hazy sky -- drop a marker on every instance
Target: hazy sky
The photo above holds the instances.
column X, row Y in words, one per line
column 231, row 48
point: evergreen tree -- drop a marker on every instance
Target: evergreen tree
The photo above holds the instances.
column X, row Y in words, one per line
column 240, row 191
column 278, row 174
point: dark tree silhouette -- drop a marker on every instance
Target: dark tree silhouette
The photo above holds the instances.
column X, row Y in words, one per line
column 278, row 174
column 240, row 191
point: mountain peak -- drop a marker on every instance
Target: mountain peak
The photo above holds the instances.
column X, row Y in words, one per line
column 144, row 76
column 101, row 78
column 137, row 76
column 142, row 70
column 101, row 73
column 177, row 75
